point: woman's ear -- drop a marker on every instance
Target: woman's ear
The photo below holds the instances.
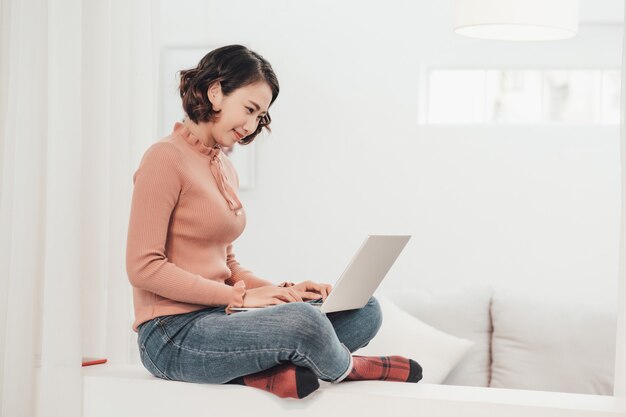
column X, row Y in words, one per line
column 214, row 93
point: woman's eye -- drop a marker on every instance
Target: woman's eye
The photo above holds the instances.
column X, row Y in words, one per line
column 250, row 110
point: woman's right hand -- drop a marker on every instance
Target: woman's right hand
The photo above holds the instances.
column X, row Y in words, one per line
column 270, row 295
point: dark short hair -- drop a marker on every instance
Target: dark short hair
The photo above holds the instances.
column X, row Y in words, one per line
column 234, row 66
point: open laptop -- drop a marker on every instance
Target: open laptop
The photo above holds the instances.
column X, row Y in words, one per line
column 363, row 275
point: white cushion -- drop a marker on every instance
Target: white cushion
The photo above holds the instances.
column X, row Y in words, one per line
column 402, row 334
column 553, row 342
column 462, row 312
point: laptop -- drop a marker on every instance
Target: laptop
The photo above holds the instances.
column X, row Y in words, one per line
column 362, row 276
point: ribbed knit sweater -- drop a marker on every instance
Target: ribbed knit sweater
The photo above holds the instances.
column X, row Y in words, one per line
column 184, row 216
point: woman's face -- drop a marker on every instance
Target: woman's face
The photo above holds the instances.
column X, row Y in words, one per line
column 240, row 111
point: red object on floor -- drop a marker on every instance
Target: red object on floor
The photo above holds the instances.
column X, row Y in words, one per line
column 93, row 361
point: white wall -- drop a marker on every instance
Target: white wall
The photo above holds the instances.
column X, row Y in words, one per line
column 520, row 205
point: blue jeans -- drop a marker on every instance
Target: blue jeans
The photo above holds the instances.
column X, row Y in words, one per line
column 209, row 346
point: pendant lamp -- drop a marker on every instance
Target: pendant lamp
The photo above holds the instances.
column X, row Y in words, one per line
column 516, row 20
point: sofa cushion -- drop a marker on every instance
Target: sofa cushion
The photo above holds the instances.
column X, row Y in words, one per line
column 462, row 312
column 403, row 334
column 553, row 342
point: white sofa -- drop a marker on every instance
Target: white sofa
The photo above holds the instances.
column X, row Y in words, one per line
column 130, row 391
column 503, row 338
column 470, row 338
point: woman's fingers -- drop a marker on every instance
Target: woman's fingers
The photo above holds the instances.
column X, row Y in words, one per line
column 326, row 289
column 310, row 295
column 310, row 285
column 307, row 288
column 323, row 290
column 289, row 295
column 268, row 295
column 294, row 294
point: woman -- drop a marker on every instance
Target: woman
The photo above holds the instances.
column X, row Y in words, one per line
column 184, row 217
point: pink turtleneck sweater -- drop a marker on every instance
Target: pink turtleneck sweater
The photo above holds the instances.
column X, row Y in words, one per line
column 185, row 214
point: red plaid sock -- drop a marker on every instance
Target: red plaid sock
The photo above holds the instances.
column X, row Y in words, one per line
column 285, row 381
column 385, row 368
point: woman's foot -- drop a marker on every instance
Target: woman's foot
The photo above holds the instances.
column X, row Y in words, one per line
column 384, row 368
column 285, row 381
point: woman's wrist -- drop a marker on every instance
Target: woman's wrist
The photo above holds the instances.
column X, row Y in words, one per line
column 239, row 293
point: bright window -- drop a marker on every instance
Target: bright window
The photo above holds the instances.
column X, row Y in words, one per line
column 523, row 96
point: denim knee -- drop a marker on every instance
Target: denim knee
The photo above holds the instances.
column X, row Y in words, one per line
column 307, row 325
column 372, row 316
column 355, row 328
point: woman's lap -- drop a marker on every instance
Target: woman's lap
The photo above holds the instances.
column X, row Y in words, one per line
column 210, row 346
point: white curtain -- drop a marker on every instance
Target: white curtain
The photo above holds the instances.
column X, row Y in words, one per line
column 78, row 84
column 620, row 355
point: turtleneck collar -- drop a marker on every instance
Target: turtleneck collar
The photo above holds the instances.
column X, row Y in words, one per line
column 194, row 141
column 215, row 163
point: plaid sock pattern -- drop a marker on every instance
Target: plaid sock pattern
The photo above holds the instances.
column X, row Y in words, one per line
column 385, row 368
column 285, row 381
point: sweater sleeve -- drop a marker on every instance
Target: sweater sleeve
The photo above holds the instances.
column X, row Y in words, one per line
column 158, row 183
column 240, row 274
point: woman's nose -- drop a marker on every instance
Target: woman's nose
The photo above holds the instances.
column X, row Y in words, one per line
column 250, row 125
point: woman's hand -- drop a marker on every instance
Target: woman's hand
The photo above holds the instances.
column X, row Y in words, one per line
column 310, row 290
column 270, row 295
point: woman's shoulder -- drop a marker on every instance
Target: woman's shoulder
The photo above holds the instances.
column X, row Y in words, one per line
column 163, row 159
column 164, row 151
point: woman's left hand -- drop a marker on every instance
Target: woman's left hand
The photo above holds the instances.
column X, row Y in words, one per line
column 310, row 290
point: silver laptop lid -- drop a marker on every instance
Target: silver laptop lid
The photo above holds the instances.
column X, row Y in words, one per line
column 365, row 272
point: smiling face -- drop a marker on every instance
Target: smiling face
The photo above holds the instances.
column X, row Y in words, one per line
column 239, row 112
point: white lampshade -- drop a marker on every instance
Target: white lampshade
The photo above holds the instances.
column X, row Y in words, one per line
column 516, row 20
